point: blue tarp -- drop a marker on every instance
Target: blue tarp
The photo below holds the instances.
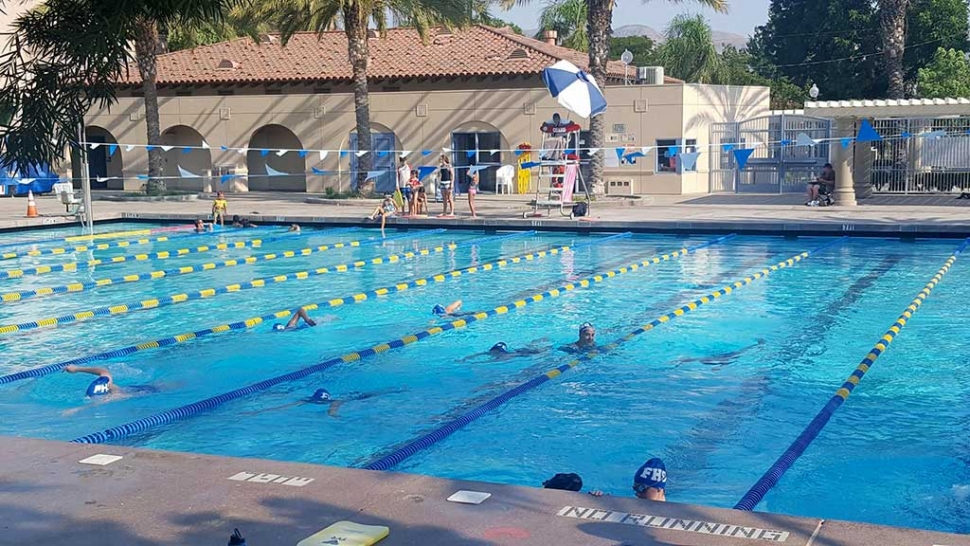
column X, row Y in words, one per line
column 11, row 176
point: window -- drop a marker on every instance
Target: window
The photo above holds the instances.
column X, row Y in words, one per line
column 666, row 162
column 668, row 152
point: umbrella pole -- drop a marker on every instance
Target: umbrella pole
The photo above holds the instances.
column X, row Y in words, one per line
column 85, row 183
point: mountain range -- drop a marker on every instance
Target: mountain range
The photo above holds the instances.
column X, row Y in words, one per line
column 721, row 38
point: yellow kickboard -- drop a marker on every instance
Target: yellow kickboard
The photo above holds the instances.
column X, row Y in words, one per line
column 347, row 533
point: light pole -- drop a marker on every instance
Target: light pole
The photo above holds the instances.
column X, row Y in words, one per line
column 813, row 92
column 626, row 58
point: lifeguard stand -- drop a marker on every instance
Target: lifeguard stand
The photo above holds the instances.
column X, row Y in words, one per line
column 559, row 168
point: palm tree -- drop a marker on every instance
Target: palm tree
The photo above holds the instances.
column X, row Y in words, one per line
column 568, row 19
column 892, row 23
column 355, row 16
column 599, row 21
column 688, row 52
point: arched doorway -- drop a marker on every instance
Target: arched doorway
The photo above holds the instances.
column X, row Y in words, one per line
column 105, row 163
column 477, row 143
column 383, row 144
column 269, row 171
column 185, row 169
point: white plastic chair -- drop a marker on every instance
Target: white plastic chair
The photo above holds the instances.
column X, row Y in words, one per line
column 65, row 192
column 504, row 179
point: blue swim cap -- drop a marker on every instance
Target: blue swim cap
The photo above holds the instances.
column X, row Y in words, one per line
column 99, row 387
column 499, row 347
column 278, row 327
column 438, row 310
column 653, row 474
column 321, row 395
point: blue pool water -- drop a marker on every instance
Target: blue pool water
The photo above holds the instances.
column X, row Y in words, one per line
column 895, row 453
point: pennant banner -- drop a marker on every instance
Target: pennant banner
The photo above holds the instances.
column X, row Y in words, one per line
column 688, row 161
column 867, row 133
column 804, row 140
column 741, row 156
column 425, row 170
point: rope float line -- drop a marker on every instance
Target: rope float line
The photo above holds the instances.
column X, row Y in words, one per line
column 195, row 408
column 774, row 474
column 185, row 270
column 159, row 255
column 108, row 235
column 164, row 301
column 399, row 455
column 286, row 313
column 106, row 246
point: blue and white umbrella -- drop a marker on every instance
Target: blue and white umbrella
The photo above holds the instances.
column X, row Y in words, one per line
column 574, row 89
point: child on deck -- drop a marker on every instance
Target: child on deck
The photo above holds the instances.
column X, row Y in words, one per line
column 219, row 209
column 415, row 185
column 385, row 209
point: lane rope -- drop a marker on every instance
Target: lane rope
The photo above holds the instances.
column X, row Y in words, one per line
column 286, row 313
column 208, row 404
column 190, row 269
column 105, row 246
column 108, row 235
column 159, row 255
column 174, row 299
column 774, row 474
column 424, row 442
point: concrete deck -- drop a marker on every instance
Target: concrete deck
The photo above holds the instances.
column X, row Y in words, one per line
column 150, row 498
column 905, row 216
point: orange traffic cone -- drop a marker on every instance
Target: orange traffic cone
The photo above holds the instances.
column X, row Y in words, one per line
column 31, row 205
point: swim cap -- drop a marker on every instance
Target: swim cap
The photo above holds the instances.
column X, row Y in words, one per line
column 585, row 326
column 278, row 327
column 500, row 347
column 98, row 387
column 564, row 482
column 438, row 310
column 653, row 474
column 321, row 395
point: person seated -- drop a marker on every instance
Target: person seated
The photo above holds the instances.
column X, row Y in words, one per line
column 298, row 315
column 826, row 180
column 586, row 341
column 386, row 209
column 650, row 481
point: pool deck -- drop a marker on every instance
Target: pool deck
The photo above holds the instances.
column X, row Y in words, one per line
column 903, row 216
column 147, row 498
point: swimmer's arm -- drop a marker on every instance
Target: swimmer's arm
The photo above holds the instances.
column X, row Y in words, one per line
column 334, row 406
column 100, row 372
column 277, row 408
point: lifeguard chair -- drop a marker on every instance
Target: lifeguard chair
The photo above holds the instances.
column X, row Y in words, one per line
column 559, row 168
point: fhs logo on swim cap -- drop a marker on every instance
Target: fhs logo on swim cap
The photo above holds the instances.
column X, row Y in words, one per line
column 321, row 395
column 99, row 387
column 438, row 310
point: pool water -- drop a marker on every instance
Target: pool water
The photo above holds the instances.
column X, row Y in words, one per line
column 896, row 453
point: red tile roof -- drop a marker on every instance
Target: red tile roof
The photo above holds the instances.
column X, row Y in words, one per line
column 308, row 57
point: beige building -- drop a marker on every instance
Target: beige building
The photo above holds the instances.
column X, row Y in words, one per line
column 477, row 90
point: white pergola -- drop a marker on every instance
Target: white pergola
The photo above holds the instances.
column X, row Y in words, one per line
column 847, row 113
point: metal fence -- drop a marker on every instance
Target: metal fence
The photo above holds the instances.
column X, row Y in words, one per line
column 772, row 168
column 905, row 162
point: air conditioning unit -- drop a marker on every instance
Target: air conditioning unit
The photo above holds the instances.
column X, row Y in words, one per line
column 650, row 75
column 619, row 187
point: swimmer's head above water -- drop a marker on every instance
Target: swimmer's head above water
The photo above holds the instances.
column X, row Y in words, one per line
column 587, row 334
column 499, row 348
column 438, row 310
column 321, row 396
column 99, row 387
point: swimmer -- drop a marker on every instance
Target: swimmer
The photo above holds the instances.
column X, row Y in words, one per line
column 105, row 385
column 568, row 482
column 500, row 351
column 586, row 341
column 322, row 397
column 295, row 228
column 650, row 481
column 721, row 359
column 453, row 309
column 298, row 314
column 202, row 227
column 239, row 222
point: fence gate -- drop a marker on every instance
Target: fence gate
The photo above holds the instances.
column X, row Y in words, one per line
column 772, row 168
column 915, row 155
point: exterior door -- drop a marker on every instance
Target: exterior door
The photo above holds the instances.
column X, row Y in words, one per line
column 474, row 149
column 98, row 164
column 382, row 146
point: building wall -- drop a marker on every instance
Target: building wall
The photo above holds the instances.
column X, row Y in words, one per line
column 421, row 116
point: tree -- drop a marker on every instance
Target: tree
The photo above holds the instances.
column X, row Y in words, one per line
column 568, row 19
column 688, row 53
column 892, row 23
column 641, row 47
column 930, row 25
column 948, row 75
column 833, row 43
column 67, row 57
column 599, row 20
column 355, row 16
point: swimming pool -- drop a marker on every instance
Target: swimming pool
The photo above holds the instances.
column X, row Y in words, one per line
column 896, row 453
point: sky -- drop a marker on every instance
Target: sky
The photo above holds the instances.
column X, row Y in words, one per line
column 742, row 17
